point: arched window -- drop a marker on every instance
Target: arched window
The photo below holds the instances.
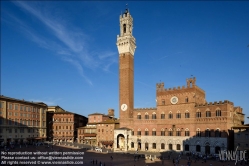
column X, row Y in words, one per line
column 146, row 146
column 170, row 132
column 124, row 28
column 162, row 115
column 207, row 148
column 138, row 116
column 162, row 132
column 217, row 133
column 218, row 112
column 153, row 115
column 198, row 114
column 208, row 113
column 186, row 99
column 170, row 115
column 162, row 146
column 207, row 133
column 178, row 132
column 154, row 146
column 178, row 147
column 187, row 132
column 146, row 132
column 178, row 115
column 163, row 102
column 154, row 132
column 146, row 115
column 187, row 115
column 170, row 147
column 198, row 133
column 132, row 144
column 139, row 132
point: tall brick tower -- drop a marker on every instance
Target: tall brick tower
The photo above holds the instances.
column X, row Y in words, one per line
column 126, row 47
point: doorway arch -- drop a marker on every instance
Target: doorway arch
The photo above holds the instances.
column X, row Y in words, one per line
column 120, row 141
column 207, row 148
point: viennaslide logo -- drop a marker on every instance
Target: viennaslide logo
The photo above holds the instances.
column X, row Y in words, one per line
column 232, row 155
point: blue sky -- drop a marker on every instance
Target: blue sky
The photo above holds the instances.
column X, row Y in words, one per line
column 64, row 53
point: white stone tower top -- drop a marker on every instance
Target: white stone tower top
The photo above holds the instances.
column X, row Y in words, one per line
column 125, row 41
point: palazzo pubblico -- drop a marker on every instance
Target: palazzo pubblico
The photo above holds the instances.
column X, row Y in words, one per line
column 182, row 119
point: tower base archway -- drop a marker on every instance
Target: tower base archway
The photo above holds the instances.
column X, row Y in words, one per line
column 121, row 140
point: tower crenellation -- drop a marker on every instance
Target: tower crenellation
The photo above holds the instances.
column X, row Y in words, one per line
column 215, row 103
column 191, row 83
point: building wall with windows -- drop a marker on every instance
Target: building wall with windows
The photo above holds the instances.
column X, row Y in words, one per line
column 65, row 126
column 97, row 117
column 89, row 134
column 187, row 124
column 22, row 121
column 105, row 132
column 50, row 113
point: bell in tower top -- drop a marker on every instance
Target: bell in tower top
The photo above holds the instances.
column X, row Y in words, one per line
column 125, row 40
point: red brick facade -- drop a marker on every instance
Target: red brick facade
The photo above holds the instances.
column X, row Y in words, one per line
column 65, row 124
column 105, row 132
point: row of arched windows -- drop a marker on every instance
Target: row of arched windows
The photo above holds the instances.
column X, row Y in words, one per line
column 178, row 115
column 154, row 146
column 177, row 132
column 162, row 116
column 208, row 114
column 178, row 147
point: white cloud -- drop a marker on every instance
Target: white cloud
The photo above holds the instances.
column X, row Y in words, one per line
column 70, row 42
column 79, row 67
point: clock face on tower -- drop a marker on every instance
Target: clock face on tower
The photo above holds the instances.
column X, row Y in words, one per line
column 124, row 107
column 174, row 100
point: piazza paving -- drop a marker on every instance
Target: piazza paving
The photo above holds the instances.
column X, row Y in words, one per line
column 109, row 158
